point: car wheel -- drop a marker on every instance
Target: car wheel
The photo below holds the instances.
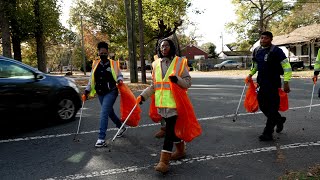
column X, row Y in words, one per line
column 66, row 108
column 294, row 68
column 237, row 67
column 222, row 67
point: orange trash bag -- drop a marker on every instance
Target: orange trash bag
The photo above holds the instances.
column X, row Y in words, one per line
column 127, row 102
column 251, row 101
column 153, row 112
column 284, row 102
column 187, row 126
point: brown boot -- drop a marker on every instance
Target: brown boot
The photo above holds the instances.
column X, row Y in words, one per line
column 161, row 133
column 180, row 151
column 163, row 165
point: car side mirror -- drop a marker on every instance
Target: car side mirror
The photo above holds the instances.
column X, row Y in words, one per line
column 38, row 76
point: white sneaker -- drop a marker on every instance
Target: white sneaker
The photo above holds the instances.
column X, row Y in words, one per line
column 100, row 143
column 122, row 132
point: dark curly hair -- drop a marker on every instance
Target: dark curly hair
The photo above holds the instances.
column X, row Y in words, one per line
column 267, row 33
column 102, row 44
column 172, row 48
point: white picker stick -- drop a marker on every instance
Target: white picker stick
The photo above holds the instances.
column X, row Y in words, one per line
column 115, row 136
column 314, row 84
column 235, row 116
column 74, row 138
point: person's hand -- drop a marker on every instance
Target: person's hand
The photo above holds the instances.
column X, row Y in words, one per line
column 173, row 79
column 85, row 95
column 140, row 99
column 248, row 79
column 286, row 87
column 120, row 81
column 315, row 79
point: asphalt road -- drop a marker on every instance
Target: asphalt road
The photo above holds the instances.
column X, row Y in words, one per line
column 225, row 150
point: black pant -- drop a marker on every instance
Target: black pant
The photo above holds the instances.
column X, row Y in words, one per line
column 170, row 137
column 269, row 101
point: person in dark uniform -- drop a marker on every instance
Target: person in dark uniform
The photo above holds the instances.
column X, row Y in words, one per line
column 270, row 62
column 105, row 75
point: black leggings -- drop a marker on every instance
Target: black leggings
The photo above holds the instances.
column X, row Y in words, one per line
column 170, row 137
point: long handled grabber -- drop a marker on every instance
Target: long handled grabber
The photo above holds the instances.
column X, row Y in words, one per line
column 314, row 84
column 115, row 136
column 83, row 100
column 236, row 114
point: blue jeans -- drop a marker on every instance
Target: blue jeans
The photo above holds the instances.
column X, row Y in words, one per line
column 107, row 101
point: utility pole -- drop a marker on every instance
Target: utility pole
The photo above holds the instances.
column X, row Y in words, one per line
column 221, row 41
column 83, row 56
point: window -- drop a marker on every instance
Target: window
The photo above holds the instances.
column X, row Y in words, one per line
column 305, row 49
column 11, row 70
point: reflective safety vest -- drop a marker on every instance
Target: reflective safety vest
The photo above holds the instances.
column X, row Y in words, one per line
column 163, row 95
column 114, row 70
column 317, row 63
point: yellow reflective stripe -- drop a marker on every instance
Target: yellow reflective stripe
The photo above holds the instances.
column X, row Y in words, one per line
column 287, row 69
column 157, row 86
column 285, row 61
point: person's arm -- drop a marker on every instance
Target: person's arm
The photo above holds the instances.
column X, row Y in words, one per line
column 286, row 69
column 185, row 80
column 253, row 70
column 120, row 76
column 317, row 64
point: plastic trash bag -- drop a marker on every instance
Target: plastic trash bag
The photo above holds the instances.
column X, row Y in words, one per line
column 127, row 102
column 187, row 126
column 284, row 102
column 153, row 112
column 251, row 100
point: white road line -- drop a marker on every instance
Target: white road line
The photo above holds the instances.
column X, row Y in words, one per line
column 185, row 161
column 144, row 125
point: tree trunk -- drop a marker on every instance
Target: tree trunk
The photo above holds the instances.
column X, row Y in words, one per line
column 5, row 31
column 132, row 60
column 134, row 44
column 41, row 57
column 16, row 44
column 142, row 60
column 16, row 40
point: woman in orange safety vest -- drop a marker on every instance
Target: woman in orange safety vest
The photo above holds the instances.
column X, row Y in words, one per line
column 168, row 67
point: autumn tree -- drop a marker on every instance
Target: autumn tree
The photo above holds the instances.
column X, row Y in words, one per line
column 304, row 13
column 254, row 17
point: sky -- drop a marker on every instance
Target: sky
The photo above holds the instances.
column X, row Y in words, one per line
column 210, row 24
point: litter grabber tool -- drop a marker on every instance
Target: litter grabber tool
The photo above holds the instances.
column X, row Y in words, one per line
column 134, row 107
column 83, row 97
column 236, row 114
column 314, row 84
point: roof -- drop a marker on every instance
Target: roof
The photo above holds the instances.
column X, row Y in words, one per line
column 299, row 35
column 191, row 45
column 237, row 53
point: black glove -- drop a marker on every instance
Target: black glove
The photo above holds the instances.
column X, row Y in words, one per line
column 173, row 79
column 141, row 99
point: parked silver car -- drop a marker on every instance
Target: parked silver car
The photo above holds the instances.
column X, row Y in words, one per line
column 229, row 64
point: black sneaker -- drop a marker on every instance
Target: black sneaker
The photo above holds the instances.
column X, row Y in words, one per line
column 100, row 143
column 122, row 132
column 280, row 124
column 265, row 137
